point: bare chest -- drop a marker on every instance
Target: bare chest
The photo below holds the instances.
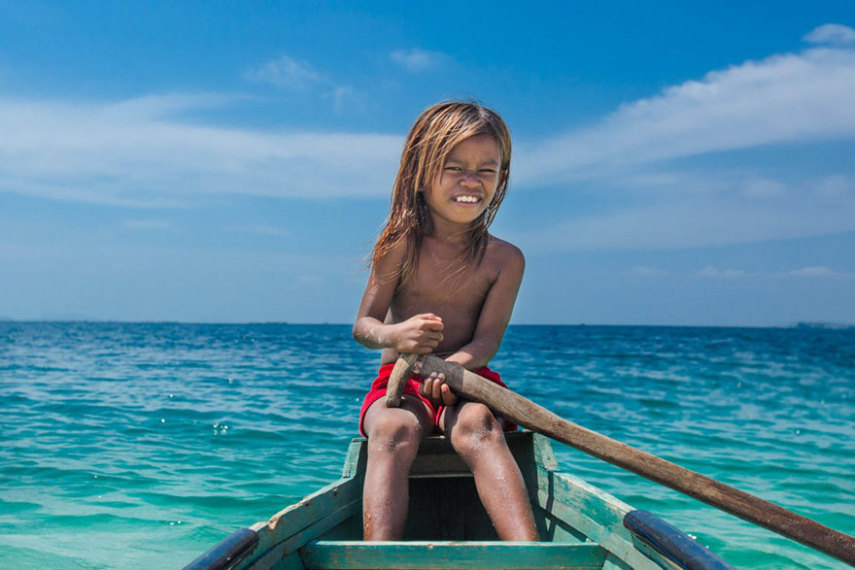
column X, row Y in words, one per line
column 450, row 289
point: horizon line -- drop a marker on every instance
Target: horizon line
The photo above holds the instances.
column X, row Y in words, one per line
column 815, row 325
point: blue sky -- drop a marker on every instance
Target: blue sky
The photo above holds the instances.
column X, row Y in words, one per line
column 677, row 163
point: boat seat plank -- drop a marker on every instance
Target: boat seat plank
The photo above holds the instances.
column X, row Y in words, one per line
column 430, row 554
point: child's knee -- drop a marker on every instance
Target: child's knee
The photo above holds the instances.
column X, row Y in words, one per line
column 395, row 433
column 475, row 427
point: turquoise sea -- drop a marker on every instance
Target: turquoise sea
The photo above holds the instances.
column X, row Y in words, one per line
column 141, row 445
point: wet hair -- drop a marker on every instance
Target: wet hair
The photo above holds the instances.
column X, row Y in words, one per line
column 435, row 133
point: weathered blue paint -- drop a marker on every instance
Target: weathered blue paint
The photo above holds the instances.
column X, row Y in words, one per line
column 228, row 552
column 672, row 542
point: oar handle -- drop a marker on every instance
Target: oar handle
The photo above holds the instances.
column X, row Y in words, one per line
column 526, row 413
column 401, row 372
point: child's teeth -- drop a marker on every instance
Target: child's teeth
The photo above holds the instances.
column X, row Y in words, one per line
column 471, row 199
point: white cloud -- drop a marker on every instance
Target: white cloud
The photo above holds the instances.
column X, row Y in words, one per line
column 417, row 60
column 298, row 76
column 288, row 73
column 812, row 272
column 831, row 34
column 834, row 186
column 729, row 273
column 344, row 98
column 697, row 211
column 646, row 271
column 791, row 98
column 763, row 188
column 653, row 201
column 140, row 152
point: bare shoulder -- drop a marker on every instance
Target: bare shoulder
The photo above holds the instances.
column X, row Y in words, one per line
column 504, row 255
column 396, row 251
column 387, row 267
column 504, row 252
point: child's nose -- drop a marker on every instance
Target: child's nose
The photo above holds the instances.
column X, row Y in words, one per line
column 470, row 178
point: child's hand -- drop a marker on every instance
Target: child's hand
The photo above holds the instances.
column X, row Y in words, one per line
column 437, row 391
column 419, row 334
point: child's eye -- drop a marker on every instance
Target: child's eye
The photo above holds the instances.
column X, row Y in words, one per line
column 453, row 168
column 487, row 171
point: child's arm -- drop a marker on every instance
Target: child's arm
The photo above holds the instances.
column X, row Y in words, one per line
column 420, row 334
column 496, row 311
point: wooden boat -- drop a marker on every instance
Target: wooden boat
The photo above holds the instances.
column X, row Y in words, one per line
column 581, row 526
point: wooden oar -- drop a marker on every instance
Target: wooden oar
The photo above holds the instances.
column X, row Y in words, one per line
column 526, row 413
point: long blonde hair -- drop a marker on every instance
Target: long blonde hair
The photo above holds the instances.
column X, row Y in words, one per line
column 435, row 133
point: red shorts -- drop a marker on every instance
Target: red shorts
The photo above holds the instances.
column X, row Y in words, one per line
column 378, row 390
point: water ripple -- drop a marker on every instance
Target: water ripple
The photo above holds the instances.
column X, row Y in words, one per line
column 142, row 444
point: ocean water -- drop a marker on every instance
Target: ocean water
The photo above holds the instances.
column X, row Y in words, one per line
column 141, row 445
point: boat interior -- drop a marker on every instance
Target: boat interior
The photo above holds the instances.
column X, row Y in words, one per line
column 580, row 525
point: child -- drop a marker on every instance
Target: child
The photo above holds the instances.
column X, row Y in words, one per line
column 441, row 284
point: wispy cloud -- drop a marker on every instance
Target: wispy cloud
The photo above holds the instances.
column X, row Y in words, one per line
column 647, row 271
column 288, row 73
column 814, row 271
column 713, row 213
column 141, row 152
column 810, row 272
column 831, row 34
column 788, row 98
column 417, row 60
column 297, row 76
column 642, row 155
column 716, row 273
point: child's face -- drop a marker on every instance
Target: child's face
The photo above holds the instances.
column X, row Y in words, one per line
column 467, row 182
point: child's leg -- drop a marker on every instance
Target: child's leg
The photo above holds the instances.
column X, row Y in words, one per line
column 478, row 438
column 394, row 435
